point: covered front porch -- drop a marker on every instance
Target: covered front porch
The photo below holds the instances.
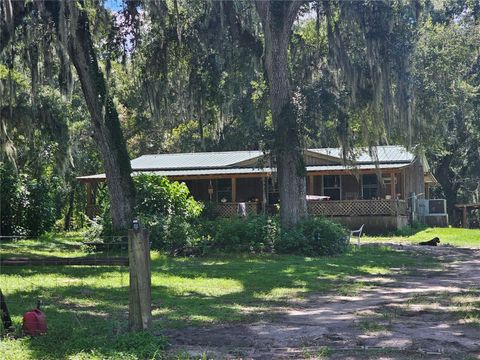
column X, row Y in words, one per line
column 363, row 196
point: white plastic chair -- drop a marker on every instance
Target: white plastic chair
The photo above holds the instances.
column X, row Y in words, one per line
column 357, row 234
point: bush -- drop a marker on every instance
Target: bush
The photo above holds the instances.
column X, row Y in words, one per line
column 314, row 237
column 27, row 205
column 176, row 226
column 158, row 196
column 253, row 234
column 175, row 234
column 166, row 209
column 170, row 213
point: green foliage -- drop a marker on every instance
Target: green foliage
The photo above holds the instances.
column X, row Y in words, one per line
column 314, row 237
column 156, row 195
column 173, row 218
column 27, row 205
column 254, row 234
column 165, row 208
column 174, row 234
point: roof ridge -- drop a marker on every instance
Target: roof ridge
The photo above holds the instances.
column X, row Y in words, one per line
column 202, row 152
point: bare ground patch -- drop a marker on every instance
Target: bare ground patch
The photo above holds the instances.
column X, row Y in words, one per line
column 424, row 314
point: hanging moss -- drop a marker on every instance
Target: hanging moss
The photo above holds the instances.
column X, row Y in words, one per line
column 381, row 77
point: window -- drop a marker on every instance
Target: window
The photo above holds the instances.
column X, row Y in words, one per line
column 224, row 190
column 369, row 186
column 331, row 186
column 387, row 182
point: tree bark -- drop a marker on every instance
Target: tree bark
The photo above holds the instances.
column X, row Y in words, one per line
column 67, row 223
column 277, row 19
column 446, row 177
column 12, row 14
column 107, row 131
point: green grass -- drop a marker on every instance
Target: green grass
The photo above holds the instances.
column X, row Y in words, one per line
column 86, row 307
column 54, row 245
column 451, row 236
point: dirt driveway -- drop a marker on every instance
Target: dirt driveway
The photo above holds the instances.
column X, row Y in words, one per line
column 424, row 314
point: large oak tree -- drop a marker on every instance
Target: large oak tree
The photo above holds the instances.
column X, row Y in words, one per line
column 277, row 19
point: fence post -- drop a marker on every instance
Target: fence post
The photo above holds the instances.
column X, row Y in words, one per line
column 140, row 296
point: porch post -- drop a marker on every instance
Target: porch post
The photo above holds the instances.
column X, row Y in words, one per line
column 234, row 189
column 311, row 185
column 264, row 195
column 392, row 185
column 341, row 187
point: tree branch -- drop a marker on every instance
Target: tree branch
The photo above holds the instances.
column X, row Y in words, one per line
column 292, row 11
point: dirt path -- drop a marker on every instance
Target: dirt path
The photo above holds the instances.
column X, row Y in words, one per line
column 422, row 314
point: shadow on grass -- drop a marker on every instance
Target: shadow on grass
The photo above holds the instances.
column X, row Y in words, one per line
column 87, row 306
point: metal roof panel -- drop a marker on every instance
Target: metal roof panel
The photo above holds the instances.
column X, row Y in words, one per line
column 199, row 160
column 382, row 154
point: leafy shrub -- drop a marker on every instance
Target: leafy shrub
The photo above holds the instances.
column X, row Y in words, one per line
column 313, row 237
column 166, row 209
column 252, row 234
column 157, row 195
column 27, row 205
column 174, row 234
column 176, row 226
column 169, row 212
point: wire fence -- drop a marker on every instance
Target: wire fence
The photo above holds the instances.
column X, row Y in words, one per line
column 82, row 286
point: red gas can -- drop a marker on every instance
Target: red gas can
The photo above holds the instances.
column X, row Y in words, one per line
column 34, row 322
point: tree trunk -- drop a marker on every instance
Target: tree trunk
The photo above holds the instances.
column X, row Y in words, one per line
column 107, row 131
column 277, row 20
column 67, row 223
column 445, row 177
column 12, row 14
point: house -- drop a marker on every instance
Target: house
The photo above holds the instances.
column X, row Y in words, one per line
column 375, row 188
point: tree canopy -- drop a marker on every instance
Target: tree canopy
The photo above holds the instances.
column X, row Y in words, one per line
column 84, row 87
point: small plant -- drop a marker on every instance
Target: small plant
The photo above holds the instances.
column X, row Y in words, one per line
column 371, row 326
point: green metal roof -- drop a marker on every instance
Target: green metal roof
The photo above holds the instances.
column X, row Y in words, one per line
column 201, row 160
column 231, row 159
column 248, row 162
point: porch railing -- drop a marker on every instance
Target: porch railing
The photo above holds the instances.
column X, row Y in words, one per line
column 358, row 207
column 230, row 209
column 380, row 207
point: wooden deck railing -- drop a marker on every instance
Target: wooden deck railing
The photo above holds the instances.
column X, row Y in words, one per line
column 380, row 207
column 231, row 209
column 358, row 207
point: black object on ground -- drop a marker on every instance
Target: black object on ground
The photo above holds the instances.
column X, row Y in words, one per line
column 434, row 242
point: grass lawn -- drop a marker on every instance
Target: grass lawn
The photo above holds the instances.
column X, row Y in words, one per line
column 451, row 236
column 86, row 306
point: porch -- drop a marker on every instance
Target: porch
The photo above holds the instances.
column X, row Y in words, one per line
column 379, row 216
column 328, row 208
